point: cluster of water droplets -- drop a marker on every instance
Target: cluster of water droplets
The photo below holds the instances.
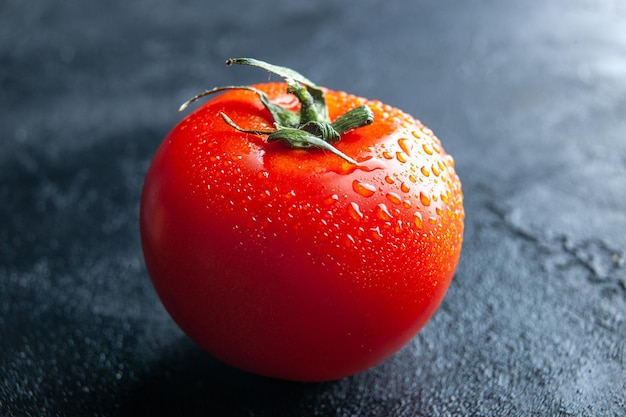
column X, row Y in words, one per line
column 417, row 188
column 404, row 192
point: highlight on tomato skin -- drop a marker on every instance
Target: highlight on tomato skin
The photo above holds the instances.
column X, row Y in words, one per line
column 292, row 258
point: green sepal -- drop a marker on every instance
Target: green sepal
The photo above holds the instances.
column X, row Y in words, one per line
column 353, row 119
column 279, row 114
column 322, row 130
column 301, row 139
column 288, row 74
column 311, row 127
column 232, row 124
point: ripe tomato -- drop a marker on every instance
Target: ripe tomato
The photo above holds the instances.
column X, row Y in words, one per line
column 296, row 262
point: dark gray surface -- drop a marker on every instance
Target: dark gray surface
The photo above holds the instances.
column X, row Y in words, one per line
column 530, row 100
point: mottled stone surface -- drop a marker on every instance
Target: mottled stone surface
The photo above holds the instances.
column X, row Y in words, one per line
column 530, row 100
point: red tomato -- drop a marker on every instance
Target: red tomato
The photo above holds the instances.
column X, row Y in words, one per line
column 295, row 263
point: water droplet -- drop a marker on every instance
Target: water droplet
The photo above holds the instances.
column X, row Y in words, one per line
column 424, row 199
column 401, row 157
column 439, row 211
column 406, row 145
column 406, row 203
column 412, row 178
column 383, row 212
column 263, row 174
column 436, row 170
column 355, row 211
column 425, row 171
column 376, row 234
column 426, row 131
column 369, row 164
column 427, row 148
column 394, row 198
column 331, row 200
column 404, row 187
column 363, row 188
column 389, row 180
column 366, row 164
column 399, row 226
column 387, row 155
column 417, row 219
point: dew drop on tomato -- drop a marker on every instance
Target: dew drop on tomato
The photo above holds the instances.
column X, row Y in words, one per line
column 371, row 164
column 331, row 199
column 405, row 145
column 376, row 233
column 350, row 242
column 382, row 212
column 436, row 170
column 427, row 148
column 394, row 198
column 401, row 157
column 417, row 219
column 363, row 188
column 355, row 211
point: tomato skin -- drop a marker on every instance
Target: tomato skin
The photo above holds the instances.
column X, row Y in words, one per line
column 294, row 263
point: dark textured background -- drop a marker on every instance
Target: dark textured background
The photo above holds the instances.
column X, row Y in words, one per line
column 529, row 97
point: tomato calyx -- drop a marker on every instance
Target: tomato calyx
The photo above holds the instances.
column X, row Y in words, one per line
column 310, row 127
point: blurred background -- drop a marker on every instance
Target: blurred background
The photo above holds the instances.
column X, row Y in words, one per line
column 529, row 98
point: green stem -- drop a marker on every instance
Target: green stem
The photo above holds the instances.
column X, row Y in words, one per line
column 232, row 124
column 310, row 111
column 301, row 139
column 353, row 119
column 308, row 128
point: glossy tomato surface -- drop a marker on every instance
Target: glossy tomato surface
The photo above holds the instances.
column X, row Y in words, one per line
column 295, row 263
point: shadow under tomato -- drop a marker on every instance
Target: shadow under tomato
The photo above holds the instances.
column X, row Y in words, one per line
column 188, row 381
